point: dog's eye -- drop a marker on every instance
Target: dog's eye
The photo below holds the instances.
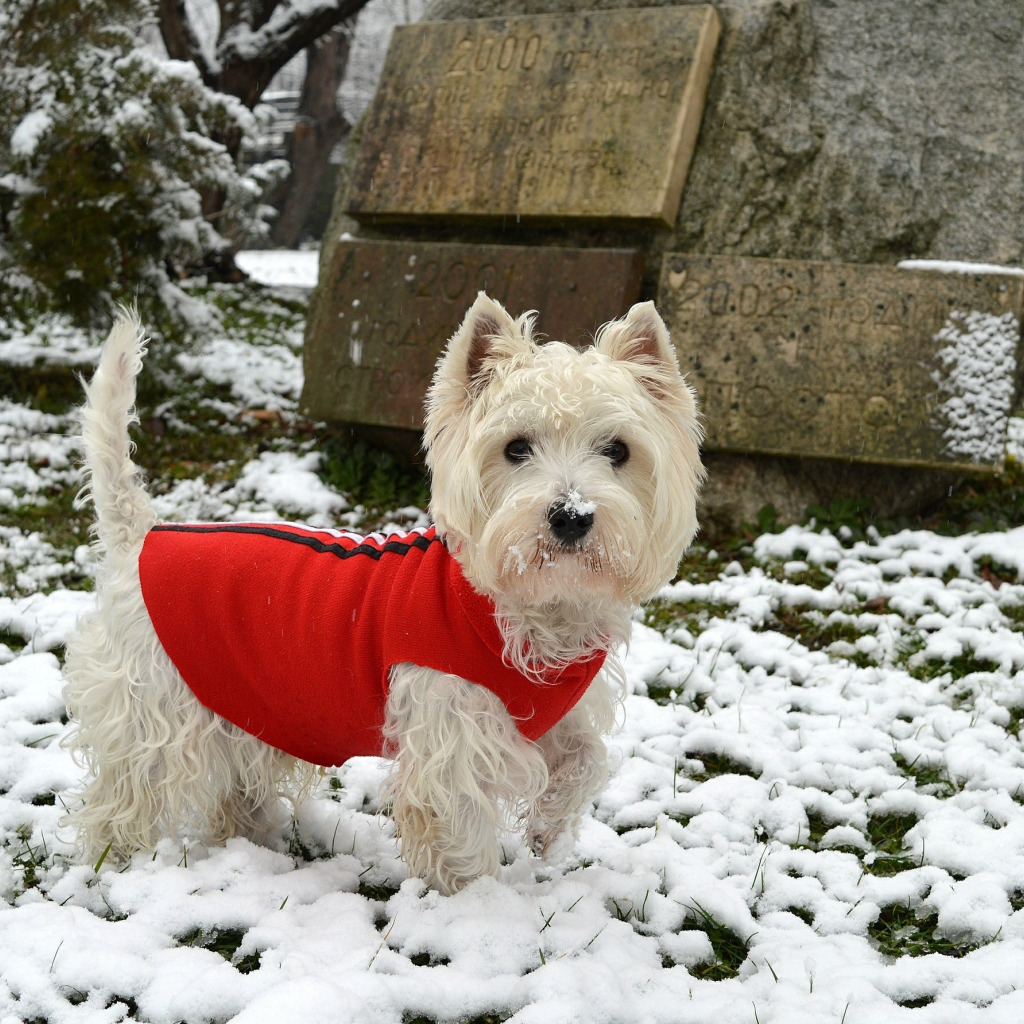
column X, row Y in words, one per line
column 616, row 452
column 518, row 450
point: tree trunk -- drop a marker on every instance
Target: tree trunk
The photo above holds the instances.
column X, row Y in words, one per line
column 318, row 129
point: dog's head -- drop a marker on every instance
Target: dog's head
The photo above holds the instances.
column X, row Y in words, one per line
column 562, row 474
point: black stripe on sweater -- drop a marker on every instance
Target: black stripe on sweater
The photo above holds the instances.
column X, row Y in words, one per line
column 397, row 547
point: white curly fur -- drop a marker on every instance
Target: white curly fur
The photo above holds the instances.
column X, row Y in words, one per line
column 158, row 763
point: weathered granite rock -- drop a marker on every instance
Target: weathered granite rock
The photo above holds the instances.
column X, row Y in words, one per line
column 833, row 129
column 836, row 129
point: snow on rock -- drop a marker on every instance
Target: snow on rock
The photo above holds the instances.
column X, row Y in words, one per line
column 960, row 267
column 1015, row 438
column 976, row 379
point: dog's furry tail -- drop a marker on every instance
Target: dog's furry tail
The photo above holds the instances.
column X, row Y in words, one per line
column 124, row 512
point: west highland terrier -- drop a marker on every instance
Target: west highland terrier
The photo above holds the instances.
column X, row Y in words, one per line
column 225, row 660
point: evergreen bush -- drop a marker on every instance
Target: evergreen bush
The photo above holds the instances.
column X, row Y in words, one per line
column 106, row 154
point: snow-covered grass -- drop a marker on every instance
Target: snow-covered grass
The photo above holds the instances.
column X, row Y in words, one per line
column 816, row 812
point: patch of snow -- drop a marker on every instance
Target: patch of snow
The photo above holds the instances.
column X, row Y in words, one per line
column 53, row 340
column 25, row 137
column 36, row 454
column 287, row 484
column 976, row 374
column 44, row 621
column 265, row 377
column 959, row 267
column 34, row 562
column 283, row 268
column 276, row 485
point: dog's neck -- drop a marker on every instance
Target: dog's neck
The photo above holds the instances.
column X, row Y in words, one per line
column 542, row 634
column 561, row 632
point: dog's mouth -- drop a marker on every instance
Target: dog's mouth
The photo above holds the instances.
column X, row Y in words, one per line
column 565, row 559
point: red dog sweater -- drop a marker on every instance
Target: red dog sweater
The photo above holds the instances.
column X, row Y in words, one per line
column 291, row 633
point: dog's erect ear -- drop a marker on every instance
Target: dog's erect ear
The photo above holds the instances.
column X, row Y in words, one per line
column 639, row 337
column 487, row 333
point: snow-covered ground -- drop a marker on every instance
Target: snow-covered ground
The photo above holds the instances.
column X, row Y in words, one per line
column 293, row 268
column 816, row 812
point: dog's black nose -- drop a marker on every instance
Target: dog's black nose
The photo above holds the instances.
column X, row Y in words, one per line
column 569, row 524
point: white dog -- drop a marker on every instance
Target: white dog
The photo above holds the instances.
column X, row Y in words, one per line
column 223, row 659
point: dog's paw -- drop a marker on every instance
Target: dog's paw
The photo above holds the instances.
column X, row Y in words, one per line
column 552, row 843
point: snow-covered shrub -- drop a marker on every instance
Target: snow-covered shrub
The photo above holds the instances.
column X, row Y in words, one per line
column 106, row 158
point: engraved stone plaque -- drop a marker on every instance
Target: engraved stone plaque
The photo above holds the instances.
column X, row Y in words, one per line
column 847, row 361
column 389, row 308
column 582, row 115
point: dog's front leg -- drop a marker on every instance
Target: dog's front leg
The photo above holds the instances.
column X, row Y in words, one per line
column 460, row 767
column 577, row 761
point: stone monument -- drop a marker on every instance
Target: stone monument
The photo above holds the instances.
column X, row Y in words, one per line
column 495, row 122
column 847, row 361
column 556, row 116
column 830, row 134
column 392, row 307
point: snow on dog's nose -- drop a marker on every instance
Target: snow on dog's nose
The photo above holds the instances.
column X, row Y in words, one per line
column 569, row 523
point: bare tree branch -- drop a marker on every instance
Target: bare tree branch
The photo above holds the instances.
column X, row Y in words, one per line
column 250, row 56
column 256, row 39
